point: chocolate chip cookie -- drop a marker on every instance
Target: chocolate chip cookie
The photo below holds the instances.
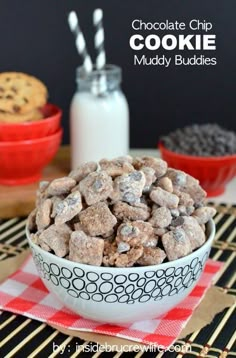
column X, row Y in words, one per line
column 21, row 93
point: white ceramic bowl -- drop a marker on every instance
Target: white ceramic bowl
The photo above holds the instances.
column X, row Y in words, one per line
column 121, row 295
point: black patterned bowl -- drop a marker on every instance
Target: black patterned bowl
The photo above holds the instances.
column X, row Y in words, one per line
column 121, row 295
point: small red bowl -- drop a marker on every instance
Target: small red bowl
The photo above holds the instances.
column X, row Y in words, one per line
column 22, row 162
column 212, row 172
column 31, row 130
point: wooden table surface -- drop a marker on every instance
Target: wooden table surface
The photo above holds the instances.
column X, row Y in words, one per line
column 20, row 200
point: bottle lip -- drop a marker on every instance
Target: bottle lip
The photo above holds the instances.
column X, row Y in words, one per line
column 108, row 70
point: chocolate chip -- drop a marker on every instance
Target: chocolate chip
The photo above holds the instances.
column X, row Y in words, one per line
column 123, row 247
column 189, row 210
column 179, row 235
column 201, row 140
column 129, row 197
column 14, row 89
column 178, row 221
column 128, row 230
column 97, row 185
column 16, row 108
column 72, row 201
column 137, row 176
column 174, row 213
column 180, row 179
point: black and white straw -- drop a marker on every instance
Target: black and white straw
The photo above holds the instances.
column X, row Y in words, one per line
column 99, row 38
column 80, row 41
column 99, row 46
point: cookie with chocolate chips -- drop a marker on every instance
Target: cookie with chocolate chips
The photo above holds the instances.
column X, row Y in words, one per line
column 21, row 93
column 32, row 116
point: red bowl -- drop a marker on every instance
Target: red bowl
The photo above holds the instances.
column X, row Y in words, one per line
column 22, row 162
column 31, row 130
column 212, row 172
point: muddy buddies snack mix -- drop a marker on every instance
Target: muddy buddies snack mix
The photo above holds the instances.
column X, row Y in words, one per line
column 122, row 212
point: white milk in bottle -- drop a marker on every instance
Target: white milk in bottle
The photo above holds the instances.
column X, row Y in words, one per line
column 99, row 116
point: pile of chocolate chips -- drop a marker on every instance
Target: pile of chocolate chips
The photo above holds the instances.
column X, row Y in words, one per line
column 204, row 140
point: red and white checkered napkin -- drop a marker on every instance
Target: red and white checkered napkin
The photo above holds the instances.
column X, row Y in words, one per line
column 24, row 293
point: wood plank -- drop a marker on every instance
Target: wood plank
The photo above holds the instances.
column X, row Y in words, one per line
column 20, row 200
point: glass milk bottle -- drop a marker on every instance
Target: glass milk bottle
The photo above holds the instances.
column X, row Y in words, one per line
column 99, row 116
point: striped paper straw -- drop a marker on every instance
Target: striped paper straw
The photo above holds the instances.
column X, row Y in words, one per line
column 99, row 46
column 80, row 41
column 99, row 39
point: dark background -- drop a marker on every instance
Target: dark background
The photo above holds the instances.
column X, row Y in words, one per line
column 35, row 38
